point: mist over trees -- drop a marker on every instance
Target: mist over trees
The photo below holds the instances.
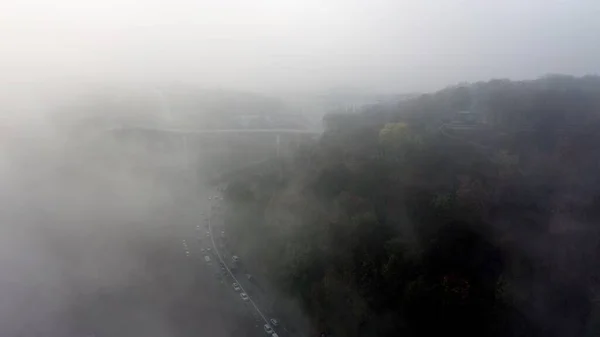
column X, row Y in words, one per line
column 470, row 211
column 362, row 195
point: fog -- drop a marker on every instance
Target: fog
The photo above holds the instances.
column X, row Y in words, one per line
column 273, row 46
column 91, row 230
column 90, row 248
column 93, row 225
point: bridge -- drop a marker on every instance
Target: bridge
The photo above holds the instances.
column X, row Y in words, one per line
column 188, row 148
column 216, row 131
column 185, row 135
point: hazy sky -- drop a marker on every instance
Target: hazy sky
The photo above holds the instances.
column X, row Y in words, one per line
column 389, row 45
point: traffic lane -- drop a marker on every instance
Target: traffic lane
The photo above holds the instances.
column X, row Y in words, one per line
column 215, row 263
column 258, row 289
column 224, row 309
column 225, row 282
column 260, row 297
column 219, row 238
column 255, row 289
column 251, row 291
column 248, row 324
column 217, row 276
column 246, row 298
column 253, row 317
column 205, row 287
column 220, row 306
column 267, row 300
column 244, row 324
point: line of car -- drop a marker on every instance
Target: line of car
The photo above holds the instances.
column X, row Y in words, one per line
column 185, row 248
column 268, row 328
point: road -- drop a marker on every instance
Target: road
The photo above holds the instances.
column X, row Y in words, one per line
column 259, row 291
column 260, row 299
column 192, row 241
column 219, row 251
column 227, row 303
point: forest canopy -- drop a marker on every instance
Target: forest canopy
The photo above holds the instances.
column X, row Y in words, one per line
column 470, row 211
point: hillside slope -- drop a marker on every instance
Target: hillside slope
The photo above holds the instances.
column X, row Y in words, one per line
column 390, row 226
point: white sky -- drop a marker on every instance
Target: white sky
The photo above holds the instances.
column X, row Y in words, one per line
column 385, row 45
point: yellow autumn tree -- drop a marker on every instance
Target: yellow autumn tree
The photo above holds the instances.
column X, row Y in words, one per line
column 393, row 134
column 397, row 138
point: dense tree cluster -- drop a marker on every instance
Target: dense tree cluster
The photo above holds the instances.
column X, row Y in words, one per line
column 408, row 221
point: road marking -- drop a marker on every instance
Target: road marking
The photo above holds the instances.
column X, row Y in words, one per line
column 232, row 276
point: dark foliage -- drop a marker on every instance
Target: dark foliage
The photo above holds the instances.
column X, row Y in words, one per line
column 441, row 225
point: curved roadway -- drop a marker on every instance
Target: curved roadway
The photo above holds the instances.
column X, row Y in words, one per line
column 216, row 249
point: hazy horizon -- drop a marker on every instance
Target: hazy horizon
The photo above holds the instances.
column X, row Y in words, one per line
column 166, row 169
column 274, row 46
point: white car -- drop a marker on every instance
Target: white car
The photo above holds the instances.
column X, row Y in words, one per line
column 236, row 287
column 244, row 297
column 268, row 329
column 274, row 322
column 235, row 258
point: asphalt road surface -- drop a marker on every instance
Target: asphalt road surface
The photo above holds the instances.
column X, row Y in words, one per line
column 259, row 297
